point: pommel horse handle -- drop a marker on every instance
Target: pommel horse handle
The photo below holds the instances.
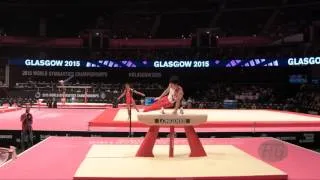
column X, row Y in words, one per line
column 155, row 121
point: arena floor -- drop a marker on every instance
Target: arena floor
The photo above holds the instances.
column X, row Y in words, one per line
column 63, row 158
column 116, row 120
column 51, row 119
column 8, row 109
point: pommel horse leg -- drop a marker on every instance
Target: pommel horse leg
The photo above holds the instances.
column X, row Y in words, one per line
column 196, row 147
column 146, row 147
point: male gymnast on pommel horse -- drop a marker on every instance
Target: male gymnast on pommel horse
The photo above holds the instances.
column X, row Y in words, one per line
column 171, row 97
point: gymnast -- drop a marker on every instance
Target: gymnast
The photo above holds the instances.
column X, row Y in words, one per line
column 171, row 97
column 128, row 91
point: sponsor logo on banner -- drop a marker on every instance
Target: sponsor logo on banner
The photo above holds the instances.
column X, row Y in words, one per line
column 63, row 73
column 304, row 61
column 307, row 138
column 181, row 64
column 52, row 63
column 145, row 75
column 57, row 95
column 6, row 136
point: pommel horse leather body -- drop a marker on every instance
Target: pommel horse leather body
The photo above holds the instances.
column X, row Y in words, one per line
column 156, row 120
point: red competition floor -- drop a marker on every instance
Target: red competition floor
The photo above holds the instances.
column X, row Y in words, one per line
column 58, row 158
column 51, row 119
column 103, row 120
column 8, row 109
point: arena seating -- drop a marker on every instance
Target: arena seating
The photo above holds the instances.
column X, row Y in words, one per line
column 248, row 95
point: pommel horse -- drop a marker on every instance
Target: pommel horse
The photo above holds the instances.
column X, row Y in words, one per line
column 156, row 120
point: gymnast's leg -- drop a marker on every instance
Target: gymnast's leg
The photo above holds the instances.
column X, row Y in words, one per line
column 129, row 109
column 161, row 103
column 135, row 105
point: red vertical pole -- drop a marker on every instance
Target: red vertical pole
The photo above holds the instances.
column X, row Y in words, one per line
column 171, row 149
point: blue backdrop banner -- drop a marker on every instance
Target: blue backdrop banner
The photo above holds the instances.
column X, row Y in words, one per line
column 160, row 64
